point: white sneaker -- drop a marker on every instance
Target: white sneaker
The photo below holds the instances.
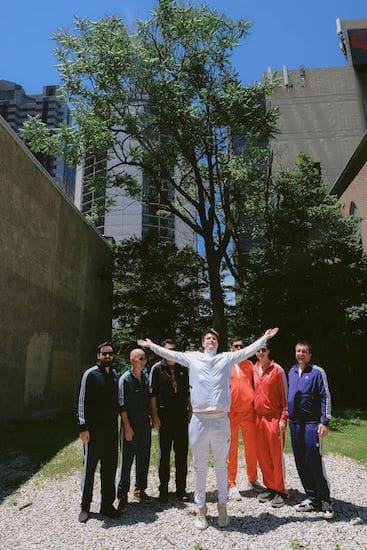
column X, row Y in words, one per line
column 327, row 510
column 307, row 505
column 234, row 494
column 278, row 501
column 201, row 521
column 223, row 519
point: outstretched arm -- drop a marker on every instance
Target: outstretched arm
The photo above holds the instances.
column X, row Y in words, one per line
column 170, row 354
column 271, row 332
column 144, row 342
column 250, row 350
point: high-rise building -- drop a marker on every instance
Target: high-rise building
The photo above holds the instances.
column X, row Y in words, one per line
column 120, row 216
column 324, row 111
column 16, row 105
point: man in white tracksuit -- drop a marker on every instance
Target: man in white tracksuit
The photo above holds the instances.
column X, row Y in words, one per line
column 209, row 375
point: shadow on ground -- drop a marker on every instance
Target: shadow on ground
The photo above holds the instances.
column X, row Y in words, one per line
column 27, row 445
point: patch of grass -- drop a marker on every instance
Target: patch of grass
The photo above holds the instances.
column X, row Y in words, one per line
column 33, row 445
column 64, row 462
column 52, row 448
column 38, row 438
column 347, row 435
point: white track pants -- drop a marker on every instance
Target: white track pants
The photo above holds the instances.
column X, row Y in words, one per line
column 209, row 430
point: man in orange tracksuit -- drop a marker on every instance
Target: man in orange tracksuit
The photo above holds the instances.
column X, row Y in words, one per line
column 270, row 404
column 242, row 417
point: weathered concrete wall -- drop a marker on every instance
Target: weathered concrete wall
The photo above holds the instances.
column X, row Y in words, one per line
column 320, row 112
column 55, row 287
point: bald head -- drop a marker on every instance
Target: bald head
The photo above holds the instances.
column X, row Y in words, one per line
column 137, row 352
column 137, row 358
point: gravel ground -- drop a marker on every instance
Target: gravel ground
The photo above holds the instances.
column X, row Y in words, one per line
column 44, row 515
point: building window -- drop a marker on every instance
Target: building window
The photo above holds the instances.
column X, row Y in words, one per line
column 93, row 203
column 353, row 210
column 153, row 220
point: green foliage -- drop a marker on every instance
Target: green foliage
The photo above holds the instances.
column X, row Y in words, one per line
column 357, row 317
column 307, row 275
column 158, row 292
column 163, row 101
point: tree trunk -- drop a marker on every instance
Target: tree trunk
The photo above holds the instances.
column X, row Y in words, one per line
column 216, row 296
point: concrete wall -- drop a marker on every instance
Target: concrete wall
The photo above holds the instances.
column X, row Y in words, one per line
column 321, row 112
column 55, row 287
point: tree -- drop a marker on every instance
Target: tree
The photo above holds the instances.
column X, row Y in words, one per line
column 158, row 292
column 307, row 273
column 164, row 99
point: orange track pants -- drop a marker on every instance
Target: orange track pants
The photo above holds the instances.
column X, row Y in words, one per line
column 248, row 429
column 270, row 445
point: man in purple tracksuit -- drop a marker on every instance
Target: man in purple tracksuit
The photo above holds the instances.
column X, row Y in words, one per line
column 309, row 412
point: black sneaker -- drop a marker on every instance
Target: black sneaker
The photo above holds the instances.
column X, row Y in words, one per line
column 83, row 516
column 163, row 497
column 122, row 506
column 141, row 496
column 182, row 496
column 109, row 511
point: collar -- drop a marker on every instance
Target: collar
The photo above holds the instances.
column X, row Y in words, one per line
column 102, row 368
column 210, row 353
column 306, row 369
column 268, row 369
column 164, row 364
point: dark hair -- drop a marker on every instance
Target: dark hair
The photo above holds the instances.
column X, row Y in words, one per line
column 210, row 331
column 235, row 339
column 104, row 345
column 168, row 341
column 267, row 346
column 304, row 343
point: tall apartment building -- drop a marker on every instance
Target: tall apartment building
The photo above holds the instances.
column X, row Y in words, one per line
column 120, row 216
column 16, row 105
column 324, row 111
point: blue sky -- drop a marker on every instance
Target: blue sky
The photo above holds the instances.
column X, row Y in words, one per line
column 286, row 32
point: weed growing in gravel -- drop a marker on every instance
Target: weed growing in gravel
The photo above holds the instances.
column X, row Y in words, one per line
column 295, row 545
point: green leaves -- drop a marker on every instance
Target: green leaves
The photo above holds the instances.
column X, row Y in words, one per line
column 306, row 272
column 158, row 291
column 163, row 101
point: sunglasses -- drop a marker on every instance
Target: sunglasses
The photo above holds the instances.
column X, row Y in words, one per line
column 238, row 346
column 106, row 353
column 262, row 350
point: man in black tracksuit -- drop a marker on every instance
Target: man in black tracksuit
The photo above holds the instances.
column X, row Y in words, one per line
column 169, row 386
column 98, row 429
